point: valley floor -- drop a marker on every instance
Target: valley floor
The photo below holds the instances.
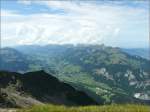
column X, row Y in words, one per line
column 105, row 108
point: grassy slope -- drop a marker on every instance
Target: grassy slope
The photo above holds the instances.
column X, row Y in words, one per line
column 105, row 108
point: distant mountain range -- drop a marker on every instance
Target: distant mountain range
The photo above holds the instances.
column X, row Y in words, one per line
column 142, row 52
column 107, row 74
column 22, row 90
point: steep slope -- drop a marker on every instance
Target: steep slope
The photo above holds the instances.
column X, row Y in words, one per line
column 21, row 90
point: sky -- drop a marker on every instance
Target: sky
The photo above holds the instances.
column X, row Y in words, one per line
column 120, row 23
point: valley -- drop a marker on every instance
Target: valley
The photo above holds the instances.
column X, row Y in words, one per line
column 107, row 74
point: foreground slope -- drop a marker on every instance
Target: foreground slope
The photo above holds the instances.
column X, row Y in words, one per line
column 21, row 90
column 105, row 108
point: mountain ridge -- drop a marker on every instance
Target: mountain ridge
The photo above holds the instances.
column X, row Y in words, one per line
column 105, row 73
column 21, row 90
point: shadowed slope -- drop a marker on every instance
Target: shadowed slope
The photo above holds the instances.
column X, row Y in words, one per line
column 21, row 90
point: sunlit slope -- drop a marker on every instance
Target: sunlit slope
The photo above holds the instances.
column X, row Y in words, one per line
column 105, row 108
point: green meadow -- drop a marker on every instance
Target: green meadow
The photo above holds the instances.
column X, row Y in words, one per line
column 105, row 108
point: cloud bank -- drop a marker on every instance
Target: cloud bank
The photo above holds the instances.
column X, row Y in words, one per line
column 76, row 23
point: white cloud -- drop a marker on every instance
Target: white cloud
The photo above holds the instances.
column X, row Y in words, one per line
column 81, row 23
column 25, row 2
column 116, row 31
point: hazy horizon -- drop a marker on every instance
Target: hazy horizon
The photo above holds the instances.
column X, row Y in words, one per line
column 14, row 46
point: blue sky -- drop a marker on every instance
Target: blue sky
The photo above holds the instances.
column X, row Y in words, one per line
column 114, row 23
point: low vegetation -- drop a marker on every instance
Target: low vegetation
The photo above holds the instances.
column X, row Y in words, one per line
column 105, row 108
column 107, row 74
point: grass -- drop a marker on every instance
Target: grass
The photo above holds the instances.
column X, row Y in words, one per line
column 105, row 108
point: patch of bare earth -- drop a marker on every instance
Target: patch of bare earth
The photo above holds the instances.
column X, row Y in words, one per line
column 8, row 110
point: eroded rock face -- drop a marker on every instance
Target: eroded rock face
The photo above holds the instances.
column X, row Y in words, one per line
column 142, row 96
column 102, row 72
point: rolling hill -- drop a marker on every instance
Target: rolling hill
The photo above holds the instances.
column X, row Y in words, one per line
column 107, row 74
